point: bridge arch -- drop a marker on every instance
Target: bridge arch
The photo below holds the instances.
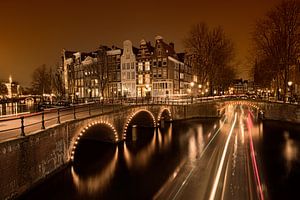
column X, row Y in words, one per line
column 87, row 129
column 133, row 115
column 247, row 103
column 166, row 113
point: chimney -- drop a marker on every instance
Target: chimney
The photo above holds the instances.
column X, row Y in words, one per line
column 171, row 44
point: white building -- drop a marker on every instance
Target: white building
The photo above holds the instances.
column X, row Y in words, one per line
column 128, row 70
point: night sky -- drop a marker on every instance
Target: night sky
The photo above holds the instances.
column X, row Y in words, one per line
column 33, row 32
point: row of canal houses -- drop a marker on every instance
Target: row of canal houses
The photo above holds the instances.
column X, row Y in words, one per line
column 147, row 71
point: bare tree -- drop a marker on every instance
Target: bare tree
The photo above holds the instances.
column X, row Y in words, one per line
column 41, row 80
column 213, row 53
column 276, row 40
column 57, row 86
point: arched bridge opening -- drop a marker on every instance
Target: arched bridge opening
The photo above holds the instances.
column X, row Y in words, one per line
column 141, row 119
column 164, row 115
column 87, row 143
column 254, row 108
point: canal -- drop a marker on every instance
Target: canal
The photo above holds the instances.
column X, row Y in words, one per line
column 141, row 169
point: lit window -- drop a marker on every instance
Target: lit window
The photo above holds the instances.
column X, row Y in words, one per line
column 147, row 66
column 147, row 78
column 124, row 75
column 128, row 75
column 140, row 65
column 181, row 75
column 140, row 79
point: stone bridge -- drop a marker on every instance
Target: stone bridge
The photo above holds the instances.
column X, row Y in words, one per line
column 26, row 161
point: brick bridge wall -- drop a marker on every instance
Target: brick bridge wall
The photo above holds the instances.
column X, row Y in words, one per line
column 26, row 161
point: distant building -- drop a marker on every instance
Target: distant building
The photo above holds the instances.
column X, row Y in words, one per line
column 80, row 72
column 239, row 86
column 114, row 72
column 128, row 69
column 144, row 69
column 13, row 88
column 164, row 69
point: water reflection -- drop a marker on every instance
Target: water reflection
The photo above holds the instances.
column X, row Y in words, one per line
column 160, row 141
column 95, row 182
column 133, row 170
column 143, row 156
column 290, row 152
column 196, row 141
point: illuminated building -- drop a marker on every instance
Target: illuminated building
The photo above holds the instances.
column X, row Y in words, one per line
column 144, row 72
column 128, row 70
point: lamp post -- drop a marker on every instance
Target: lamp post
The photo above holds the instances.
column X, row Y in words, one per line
column 290, row 83
column 192, row 85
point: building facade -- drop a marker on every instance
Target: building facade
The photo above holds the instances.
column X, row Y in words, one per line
column 128, row 70
column 144, row 70
column 114, row 72
column 149, row 71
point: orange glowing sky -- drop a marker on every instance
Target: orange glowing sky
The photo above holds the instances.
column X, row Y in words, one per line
column 33, row 32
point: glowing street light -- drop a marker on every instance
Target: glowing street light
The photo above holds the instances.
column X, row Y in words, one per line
column 192, row 84
column 290, row 83
column 200, row 86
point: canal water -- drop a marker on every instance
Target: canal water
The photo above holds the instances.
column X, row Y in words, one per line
column 278, row 150
column 133, row 170
column 138, row 170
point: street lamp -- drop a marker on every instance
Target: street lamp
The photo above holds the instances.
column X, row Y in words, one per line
column 199, row 86
column 192, row 85
column 290, row 83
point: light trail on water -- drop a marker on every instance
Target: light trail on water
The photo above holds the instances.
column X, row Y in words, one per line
column 217, row 178
column 253, row 157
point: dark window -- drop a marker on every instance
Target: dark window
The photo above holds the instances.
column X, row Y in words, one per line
column 159, row 63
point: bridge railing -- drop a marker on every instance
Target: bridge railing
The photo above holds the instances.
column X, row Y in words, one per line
column 28, row 123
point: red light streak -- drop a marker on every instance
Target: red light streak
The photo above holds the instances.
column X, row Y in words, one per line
column 253, row 158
